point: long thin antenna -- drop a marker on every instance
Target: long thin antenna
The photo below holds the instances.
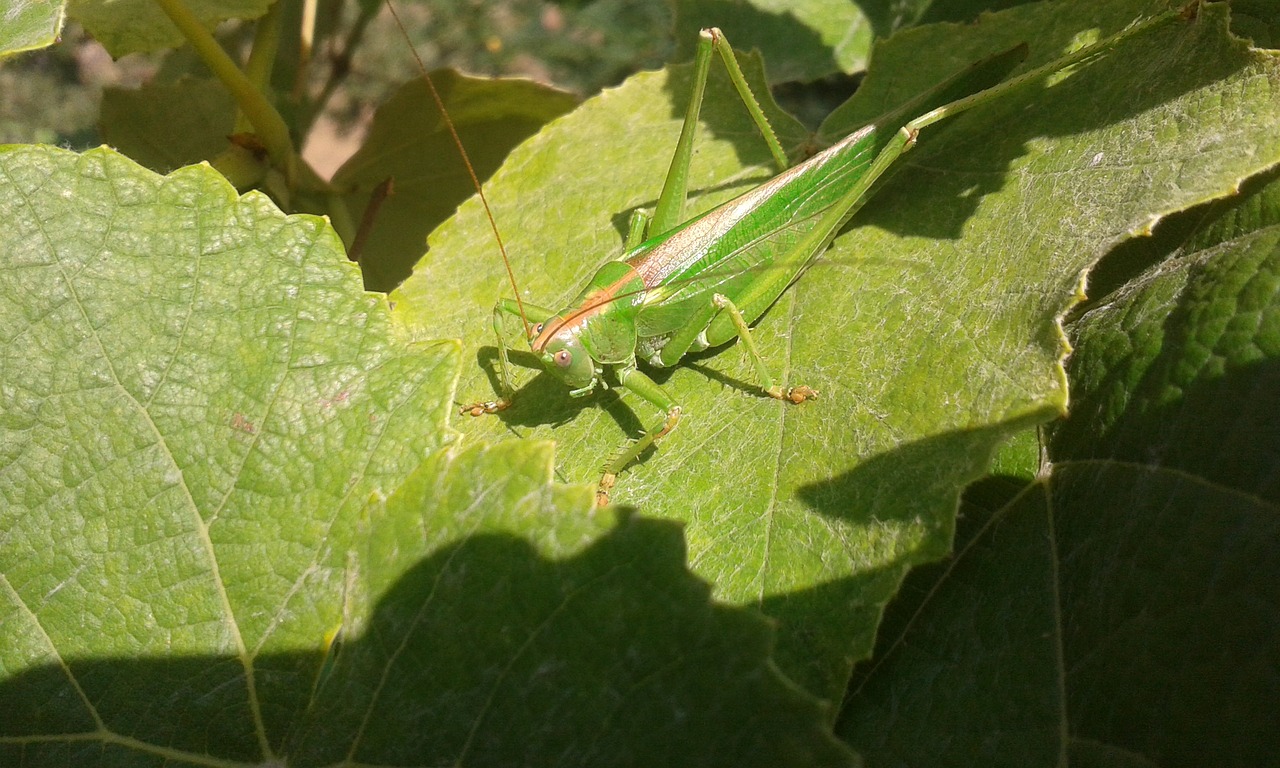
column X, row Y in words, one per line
column 466, row 161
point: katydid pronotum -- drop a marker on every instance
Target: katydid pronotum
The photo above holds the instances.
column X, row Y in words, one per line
column 681, row 286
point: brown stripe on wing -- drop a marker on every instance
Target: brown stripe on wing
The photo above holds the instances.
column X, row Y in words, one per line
column 594, row 303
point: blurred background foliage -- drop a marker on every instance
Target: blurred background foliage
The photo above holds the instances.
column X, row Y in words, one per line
column 53, row 95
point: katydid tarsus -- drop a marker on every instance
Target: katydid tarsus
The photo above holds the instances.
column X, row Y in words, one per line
column 683, row 286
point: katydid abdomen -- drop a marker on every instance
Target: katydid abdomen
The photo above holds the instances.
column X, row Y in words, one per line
column 742, row 249
column 662, row 289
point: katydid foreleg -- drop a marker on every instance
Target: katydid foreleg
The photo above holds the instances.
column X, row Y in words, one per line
column 503, row 309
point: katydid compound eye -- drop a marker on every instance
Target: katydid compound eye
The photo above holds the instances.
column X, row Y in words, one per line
column 563, row 358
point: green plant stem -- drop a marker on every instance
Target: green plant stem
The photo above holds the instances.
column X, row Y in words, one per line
column 340, row 218
column 262, row 57
column 306, row 48
column 267, row 122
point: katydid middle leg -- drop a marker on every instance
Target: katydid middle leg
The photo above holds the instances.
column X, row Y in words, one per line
column 652, row 392
column 795, row 395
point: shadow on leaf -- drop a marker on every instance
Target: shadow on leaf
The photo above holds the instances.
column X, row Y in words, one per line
column 483, row 653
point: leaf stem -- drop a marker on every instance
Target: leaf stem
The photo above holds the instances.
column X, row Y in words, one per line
column 266, row 121
column 262, row 57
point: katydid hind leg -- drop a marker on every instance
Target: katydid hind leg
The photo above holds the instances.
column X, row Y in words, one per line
column 797, row 394
column 749, row 304
column 749, row 100
column 1081, row 55
column 675, row 187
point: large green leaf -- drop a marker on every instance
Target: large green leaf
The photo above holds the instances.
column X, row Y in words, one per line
column 801, row 40
column 1119, row 605
column 233, row 528
column 930, row 327
column 521, row 640
column 168, row 125
column 131, row 26
column 30, row 24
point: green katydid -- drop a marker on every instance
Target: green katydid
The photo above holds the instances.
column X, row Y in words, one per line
column 685, row 286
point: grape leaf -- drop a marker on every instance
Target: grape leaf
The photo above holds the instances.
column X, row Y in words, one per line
column 235, row 528
column 26, row 26
column 1119, row 605
column 168, row 125
column 930, row 327
column 133, row 26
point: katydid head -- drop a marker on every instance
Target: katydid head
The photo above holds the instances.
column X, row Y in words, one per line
column 559, row 346
column 599, row 329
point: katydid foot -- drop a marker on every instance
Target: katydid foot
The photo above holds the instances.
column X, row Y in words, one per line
column 795, row 395
column 602, row 490
column 480, row 409
column 632, row 452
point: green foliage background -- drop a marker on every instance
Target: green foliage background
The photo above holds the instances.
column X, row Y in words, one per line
column 241, row 522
